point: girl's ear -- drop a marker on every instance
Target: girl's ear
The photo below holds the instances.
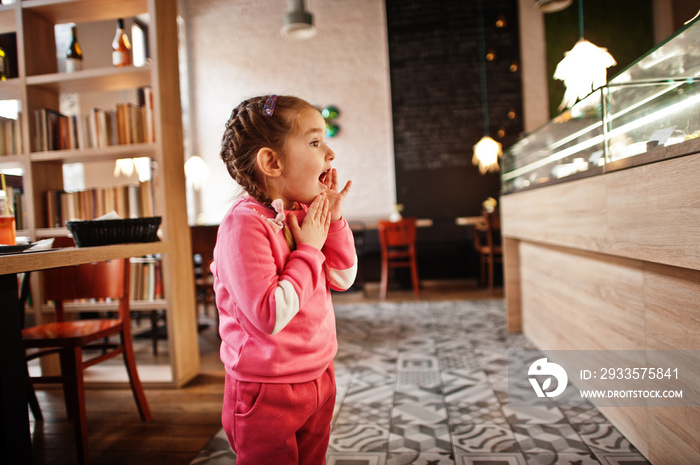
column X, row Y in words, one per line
column 268, row 162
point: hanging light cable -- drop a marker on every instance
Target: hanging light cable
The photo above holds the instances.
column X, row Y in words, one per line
column 584, row 67
column 487, row 151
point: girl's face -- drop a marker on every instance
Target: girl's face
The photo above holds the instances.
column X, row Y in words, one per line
column 306, row 160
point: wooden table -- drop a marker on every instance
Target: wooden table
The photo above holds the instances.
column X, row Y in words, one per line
column 469, row 220
column 15, row 436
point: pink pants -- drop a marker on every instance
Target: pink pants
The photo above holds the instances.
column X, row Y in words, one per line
column 280, row 424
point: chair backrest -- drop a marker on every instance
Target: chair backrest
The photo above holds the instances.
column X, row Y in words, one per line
column 492, row 219
column 92, row 280
column 203, row 241
column 492, row 229
column 400, row 233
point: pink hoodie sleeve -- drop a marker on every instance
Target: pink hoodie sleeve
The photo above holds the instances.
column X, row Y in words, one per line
column 341, row 257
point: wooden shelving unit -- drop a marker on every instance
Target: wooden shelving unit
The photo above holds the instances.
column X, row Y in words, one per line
column 39, row 84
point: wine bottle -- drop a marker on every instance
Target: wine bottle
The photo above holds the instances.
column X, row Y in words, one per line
column 3, row 65
column 74, row 55
column 121, row 48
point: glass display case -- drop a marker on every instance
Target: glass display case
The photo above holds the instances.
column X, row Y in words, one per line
column 654, row 102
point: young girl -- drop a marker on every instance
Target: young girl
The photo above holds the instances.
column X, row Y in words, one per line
column 278, row 251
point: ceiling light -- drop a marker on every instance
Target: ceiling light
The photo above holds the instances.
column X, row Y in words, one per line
column 583, row 70
column 550, row 6
column 487, row 151
column 298, row 23
column 584, row 67
column 486, row 154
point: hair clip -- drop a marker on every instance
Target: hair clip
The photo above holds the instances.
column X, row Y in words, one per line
column 269, row 107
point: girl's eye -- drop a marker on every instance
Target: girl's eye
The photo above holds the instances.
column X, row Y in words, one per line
column 314, row 143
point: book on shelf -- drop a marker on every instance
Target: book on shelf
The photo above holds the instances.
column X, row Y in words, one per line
column 146, row 103
column 20, row 203
column 10, row 136
column 15, row 197
column 130, row 124
column 145, row 278
column 128, row 201
column 46, row 129
column 127, row 123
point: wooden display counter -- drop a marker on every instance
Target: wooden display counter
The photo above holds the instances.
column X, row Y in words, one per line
column 612, row 262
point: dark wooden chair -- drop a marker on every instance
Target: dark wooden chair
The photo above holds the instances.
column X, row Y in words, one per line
column 70, row 338
column 487, row 243
column 398, row 245
column 203, row 241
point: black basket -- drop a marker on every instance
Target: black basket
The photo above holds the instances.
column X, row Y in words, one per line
column 106, row 232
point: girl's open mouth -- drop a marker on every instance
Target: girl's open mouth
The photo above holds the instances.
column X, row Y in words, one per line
column 323, row 178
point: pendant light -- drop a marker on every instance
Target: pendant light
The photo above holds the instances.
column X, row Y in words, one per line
column 550, row 6
column 487, row 151
column 298, row 23
column 584, row 67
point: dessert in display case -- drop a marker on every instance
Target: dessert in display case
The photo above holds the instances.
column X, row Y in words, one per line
column 653, row 103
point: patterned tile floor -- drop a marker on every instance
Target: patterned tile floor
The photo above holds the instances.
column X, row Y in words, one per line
column 426, row 383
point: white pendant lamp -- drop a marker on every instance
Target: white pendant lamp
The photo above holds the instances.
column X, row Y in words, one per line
column 487, row 151
column 550, row 6
column 486, row 154
column 298, row 23
column 583, row 69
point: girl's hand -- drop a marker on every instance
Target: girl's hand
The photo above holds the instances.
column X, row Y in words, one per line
column 314, row 228
column 335, row 198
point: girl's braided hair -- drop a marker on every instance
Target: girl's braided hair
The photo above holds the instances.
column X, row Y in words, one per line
column 248, row 130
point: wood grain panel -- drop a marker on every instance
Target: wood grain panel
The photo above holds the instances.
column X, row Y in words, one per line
column 672, row 299
column 579, row 300
column 41, row 43
column 673, row 435
column 654, row 212
column 18, row 263
column 649, row 213
column 93, row 80
column 8, row 21
column 169, row 187
column 511, row 282
column 570, row 215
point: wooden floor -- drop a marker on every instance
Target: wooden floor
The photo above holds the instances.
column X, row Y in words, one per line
column 183, row 419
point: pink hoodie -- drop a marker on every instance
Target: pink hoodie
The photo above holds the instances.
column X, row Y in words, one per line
column 276, row 317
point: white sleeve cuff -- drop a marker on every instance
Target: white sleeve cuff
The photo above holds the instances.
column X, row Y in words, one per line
column 286, row 305
column 342, row 279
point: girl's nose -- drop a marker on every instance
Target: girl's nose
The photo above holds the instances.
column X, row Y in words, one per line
column 330, row 155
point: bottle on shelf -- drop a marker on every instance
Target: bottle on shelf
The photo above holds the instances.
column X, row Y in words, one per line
column 74, row 55
column 121, row 48
column 3, row 65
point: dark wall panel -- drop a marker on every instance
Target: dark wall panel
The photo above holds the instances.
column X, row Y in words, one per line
column 437, row 100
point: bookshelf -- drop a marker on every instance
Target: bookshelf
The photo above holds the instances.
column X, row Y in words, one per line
column 36, row 83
